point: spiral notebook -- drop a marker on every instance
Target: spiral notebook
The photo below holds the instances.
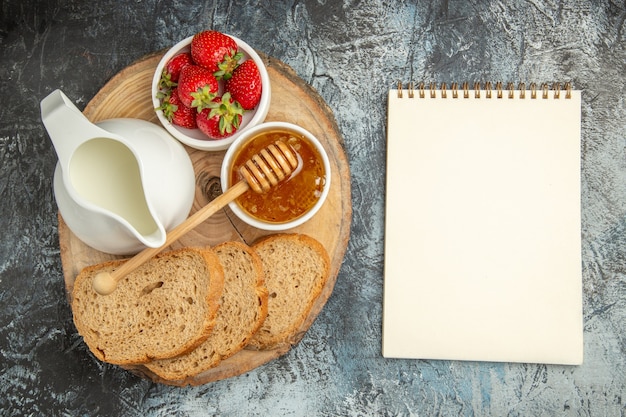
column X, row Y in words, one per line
column 483, row 225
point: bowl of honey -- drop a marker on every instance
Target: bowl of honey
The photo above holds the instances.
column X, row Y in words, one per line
column 292, row 201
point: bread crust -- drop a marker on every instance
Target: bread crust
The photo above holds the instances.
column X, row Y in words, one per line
column 91, row 310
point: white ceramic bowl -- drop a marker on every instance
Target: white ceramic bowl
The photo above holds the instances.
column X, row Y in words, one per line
column 194, row 137
column 241, row 141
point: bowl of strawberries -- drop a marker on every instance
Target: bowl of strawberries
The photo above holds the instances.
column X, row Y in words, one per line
column 209, row 88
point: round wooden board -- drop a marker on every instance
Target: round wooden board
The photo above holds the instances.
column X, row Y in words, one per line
column 128, row 94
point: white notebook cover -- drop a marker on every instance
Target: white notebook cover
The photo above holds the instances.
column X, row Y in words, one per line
column 482, row 229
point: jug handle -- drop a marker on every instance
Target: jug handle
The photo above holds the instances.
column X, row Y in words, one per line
column 67, row 126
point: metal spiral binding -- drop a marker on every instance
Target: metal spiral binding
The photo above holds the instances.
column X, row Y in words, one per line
column 535, row 91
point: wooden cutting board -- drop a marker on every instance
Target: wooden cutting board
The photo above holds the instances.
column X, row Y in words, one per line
column 128, row 94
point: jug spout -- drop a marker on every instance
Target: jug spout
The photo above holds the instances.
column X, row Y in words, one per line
column 67, row 127
column 154, row 239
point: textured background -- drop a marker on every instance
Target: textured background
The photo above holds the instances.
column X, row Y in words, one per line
column 351, row 52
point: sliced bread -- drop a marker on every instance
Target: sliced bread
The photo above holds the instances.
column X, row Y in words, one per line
column 164, row 308
column 296, row 269
column 243, row 309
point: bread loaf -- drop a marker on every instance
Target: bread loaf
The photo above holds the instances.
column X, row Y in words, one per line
column 296, row 268
column 243, row 309
column 164, row 308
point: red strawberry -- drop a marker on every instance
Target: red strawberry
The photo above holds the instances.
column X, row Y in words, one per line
column 221, row 119
column 196, row 86
column 245, row 85
column 176, row 112
column 216, row 52
column 176, row 64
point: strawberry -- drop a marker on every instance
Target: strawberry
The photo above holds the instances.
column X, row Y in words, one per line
column 245, row 85
column 221, row 119
column 176, row 112
column 176, row 64
column 215, row 51
column 196, row 86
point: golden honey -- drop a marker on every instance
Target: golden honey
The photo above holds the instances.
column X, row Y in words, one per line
column 290, row 198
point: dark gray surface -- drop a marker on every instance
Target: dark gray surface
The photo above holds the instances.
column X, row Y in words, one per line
column 351, row 52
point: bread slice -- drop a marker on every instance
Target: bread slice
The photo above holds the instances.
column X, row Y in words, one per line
column 243, row 309
column 296, row 269
column 164, row 308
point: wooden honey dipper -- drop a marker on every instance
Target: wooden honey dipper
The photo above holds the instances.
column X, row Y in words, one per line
column 263, row 171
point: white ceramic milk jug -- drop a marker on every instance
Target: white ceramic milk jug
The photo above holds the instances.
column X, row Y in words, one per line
column 120, row 183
